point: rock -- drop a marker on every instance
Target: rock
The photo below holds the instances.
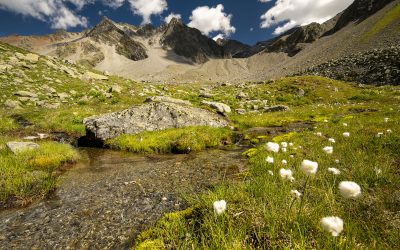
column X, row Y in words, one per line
column 167, row 99
column 91, row 75
column 241, row 95
column 17, row 147
column 63, row 96
column 241, row 111
column 33, row 58
column 151, row 116
column 23, row 93
column 300, row 92
column 205, row 94
column 68, row 71
column 220, row 107
column 52, row 105
column 276, row 108
column 12, row 104
column 116, row 88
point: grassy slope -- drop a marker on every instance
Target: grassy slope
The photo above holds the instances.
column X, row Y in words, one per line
column 391, row 16
column 258, row 214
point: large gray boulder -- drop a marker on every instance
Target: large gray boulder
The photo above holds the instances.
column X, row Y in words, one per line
column 150, row 116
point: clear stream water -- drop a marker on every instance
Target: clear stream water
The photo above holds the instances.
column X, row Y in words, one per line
column 109, row 197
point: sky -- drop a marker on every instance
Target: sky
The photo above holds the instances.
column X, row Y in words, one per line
column 248, row 21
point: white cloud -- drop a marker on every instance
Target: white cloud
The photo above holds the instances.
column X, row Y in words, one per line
column 212, row 19
column 115, row 4
column 290, row 13
column 54, row 12
column 146, row 8
column 172, row 15
column 219, row 36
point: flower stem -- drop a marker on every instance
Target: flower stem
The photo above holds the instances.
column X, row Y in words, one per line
column 304, row 196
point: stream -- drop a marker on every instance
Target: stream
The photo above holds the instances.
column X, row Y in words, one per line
column 109, row 197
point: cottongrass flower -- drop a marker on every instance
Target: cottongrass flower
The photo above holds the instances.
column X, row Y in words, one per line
column 273, row 147
column 291, row 156
column 378, row 171
column 319, row 134
column 379, row 134
column 334, row 171
column 328, row 149
column 219, row 207
column 284, row 150
column 331, row 140
column 346, row 134
column 309, row 167
column 286, row 174
column 284, row 162
column 337, row 161
column 284, row 144
column 270, row 172
column 345, row 124
column 349, row 189
column 295, row 194
column 332, row 224
column 270, row 160
column 325, row 120
column 291, row 144
column 386, row 119
column 389, row 131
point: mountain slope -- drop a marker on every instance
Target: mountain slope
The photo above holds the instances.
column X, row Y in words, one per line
column 175, row 52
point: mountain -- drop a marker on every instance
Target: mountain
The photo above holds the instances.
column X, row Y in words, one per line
column 108, row 33
column 175, row 52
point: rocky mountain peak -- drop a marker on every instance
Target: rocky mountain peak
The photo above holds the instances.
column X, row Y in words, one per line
column 107, row 32
column 190, row 42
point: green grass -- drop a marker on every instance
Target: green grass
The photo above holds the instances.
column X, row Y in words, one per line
column 390, row 17
column 173, row 140
column 31, row 174
column 258, row 214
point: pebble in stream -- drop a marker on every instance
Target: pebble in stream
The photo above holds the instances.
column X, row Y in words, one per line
column 105, row 201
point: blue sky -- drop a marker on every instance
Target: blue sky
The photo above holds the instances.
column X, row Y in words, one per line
column 237, row 19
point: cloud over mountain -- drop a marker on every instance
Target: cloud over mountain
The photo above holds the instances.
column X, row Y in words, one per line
column 287, row 14
column 54, row 12
column 147, row 8
column 210, row 19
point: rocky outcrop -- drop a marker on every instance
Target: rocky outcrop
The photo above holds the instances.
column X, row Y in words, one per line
column 189, row 42
column 372, row 67
column 151, row 116
column 232, row 47
column 107, row 32
column 358, row 11
column 291, row 42
column 18, row 147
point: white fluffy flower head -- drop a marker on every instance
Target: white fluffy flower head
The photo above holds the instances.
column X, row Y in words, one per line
column 272, row 147
column 269, row 160
column 286, row 174
column 309, row 167
column 284, row 162
column 349, row 189
column 334, row 171
column 332, row 224
column 284, row 144
column 346, row 134
column 219, row 207
column 295, row 194
column 331, row 140
column 328, row 149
